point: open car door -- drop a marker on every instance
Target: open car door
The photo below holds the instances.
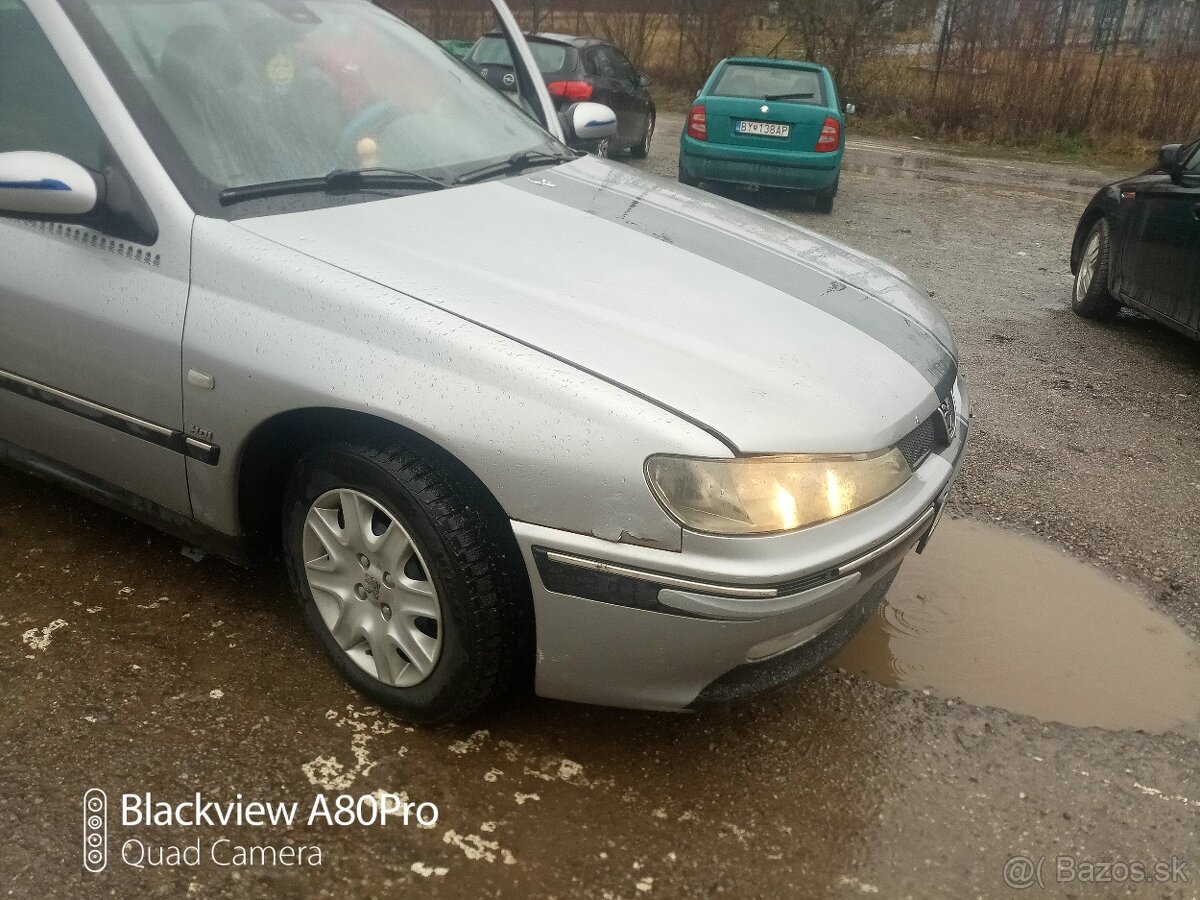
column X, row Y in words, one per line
column 517, row 74
column 461, row 25
column 530, row 83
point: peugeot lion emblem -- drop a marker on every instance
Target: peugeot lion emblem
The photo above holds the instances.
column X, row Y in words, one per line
column 947, row 421
column 766, row 109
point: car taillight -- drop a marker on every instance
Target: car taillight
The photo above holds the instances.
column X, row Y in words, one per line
column 575, row 91
column 698, row 123
column 831, row 136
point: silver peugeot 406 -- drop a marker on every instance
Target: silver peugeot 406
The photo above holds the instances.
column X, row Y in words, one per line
column 282, row 276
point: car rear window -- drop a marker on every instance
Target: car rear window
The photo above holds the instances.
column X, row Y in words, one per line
column 760, row 82
column 493, row 51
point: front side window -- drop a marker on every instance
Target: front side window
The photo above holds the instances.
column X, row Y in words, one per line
column 40, row 107
column 606, row 63
column 769, row 82
column 624, row 67
column 263, row 91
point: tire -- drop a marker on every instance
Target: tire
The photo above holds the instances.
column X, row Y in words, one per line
column 439, row 598
column 642, row 150
column 687, row 178
column 1090, row 297
column 824, row 200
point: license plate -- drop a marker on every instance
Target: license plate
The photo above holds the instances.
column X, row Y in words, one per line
column 764, row 129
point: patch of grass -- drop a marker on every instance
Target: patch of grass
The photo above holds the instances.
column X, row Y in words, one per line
column 1122, row 151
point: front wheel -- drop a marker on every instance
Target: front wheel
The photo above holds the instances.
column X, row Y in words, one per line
column 1090, row 297
column 398, row 574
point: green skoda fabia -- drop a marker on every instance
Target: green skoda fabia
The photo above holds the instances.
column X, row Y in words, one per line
column 767, row 123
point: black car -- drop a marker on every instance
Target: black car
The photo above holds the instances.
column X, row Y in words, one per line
column 578, row 70
column 1138, row 245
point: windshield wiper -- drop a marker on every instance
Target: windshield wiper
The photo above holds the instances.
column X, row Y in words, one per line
column 777, row 97
column 518, row 162
column 339, row 181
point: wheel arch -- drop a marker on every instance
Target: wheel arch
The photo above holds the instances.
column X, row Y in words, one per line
column 273, row 448
column 1086, row 224
column 1104, row 205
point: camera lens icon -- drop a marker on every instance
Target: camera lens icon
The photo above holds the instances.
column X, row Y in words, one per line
column 95, row 831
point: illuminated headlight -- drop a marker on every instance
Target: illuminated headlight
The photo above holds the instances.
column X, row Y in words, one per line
column 766, row 494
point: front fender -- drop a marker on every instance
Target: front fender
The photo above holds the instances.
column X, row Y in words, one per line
column 280, row 331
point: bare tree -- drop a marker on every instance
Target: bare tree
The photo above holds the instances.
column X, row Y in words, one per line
column 709, row 31
column 840, row 34
column 632, row 25
column 540, row 9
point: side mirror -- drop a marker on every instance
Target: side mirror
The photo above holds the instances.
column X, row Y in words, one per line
column 699, row 92
column 1168, row 158
column 45, row 184
column 644, row 81
column 589, row 123
column 851, row 109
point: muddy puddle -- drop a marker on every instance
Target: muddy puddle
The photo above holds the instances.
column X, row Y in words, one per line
column 997, row 619
column 1049, row 181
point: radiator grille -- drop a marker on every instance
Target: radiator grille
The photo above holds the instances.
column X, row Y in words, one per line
column 919, row 443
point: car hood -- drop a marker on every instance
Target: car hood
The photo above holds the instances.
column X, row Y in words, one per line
column 770, row 336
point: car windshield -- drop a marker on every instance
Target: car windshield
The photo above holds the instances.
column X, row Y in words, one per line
column 761, row 82
column 493, row 51
column 263, row 91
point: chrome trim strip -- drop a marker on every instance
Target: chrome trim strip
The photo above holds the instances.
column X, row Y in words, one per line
column 885, row 548
column 747, row 593
column 201, row 450
column 159, row 435
column 742, row 609
column 38, row 388
column 596, row 565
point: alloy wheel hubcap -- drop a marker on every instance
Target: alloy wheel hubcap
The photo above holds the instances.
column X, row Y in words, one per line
column 1087, row 268
column 372, row 588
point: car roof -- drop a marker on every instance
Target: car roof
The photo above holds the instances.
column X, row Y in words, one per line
column 552, row 38
column 773, row 63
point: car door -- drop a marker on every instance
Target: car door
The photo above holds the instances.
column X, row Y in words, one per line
column 531, row 84
column 1161, row 259
column 611, row 89
column 91, row 319
column 637, row 100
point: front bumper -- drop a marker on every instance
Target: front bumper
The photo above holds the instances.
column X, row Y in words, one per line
column 623, row 625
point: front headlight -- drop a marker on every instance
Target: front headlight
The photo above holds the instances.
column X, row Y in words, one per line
column 765, row 494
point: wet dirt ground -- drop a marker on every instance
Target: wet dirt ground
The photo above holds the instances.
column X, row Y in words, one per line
column 131, row 668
